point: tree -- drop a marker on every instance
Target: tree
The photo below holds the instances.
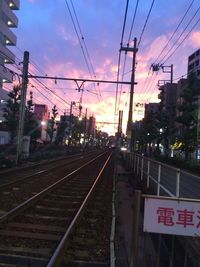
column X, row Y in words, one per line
column 188, row 115
column 147, row 132
column 77, row 129
column 11, row 111
column 51, row 124
column 11, row 115
column 31, row 125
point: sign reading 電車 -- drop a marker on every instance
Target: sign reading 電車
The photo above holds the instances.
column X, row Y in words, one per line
column 172, row 216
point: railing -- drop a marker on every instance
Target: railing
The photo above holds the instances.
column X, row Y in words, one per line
column 166, row 180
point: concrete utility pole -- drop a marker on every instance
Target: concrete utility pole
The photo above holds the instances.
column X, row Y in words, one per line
column 198, row 128
column 130, row 114
column 22, row 106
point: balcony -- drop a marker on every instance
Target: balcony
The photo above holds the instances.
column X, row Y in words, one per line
column 6, row 75
column 10, row 14
column 14, row 4
column 10, row 36
column 7, row 54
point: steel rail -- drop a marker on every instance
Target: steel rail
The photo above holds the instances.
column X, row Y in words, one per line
column 42, row 171
column 60, row 250
column 14, row 212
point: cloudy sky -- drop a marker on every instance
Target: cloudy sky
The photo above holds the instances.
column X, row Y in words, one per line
column 81, row 39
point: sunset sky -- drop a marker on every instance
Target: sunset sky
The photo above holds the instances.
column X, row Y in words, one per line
column 46, row 30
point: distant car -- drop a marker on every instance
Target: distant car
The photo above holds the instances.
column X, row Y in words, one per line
column 123, row 148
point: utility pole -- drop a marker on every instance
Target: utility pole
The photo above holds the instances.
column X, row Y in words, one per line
column 130, row 114
column 198, row 128
column 22, row 106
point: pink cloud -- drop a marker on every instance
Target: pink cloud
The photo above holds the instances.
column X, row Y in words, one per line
column 195, row 39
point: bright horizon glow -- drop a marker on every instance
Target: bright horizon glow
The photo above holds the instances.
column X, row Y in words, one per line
column 47, row 32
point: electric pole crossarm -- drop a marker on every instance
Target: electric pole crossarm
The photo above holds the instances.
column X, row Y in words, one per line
column 76, row 80
column 129, row 49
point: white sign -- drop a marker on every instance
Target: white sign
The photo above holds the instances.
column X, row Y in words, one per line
column 169, row 216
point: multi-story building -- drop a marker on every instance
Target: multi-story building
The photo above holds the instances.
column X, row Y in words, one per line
column 4, row 133
column 194, row 63
column 42, row 114
column 92, row 126
column 194, row 67
column 8, row 20
column 150, row 108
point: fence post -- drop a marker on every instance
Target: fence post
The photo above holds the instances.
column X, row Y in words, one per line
column 135, row 159
column 159, row 174
column 142, row 167
column 138, row 164
column 177, row 182
column 148, row 171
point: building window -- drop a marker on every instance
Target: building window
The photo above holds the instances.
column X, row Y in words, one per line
column 190, row 67
column 197, row 62
column 191, row 57
column 2, row 140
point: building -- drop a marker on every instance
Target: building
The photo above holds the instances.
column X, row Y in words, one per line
column 194, row 67
column 4, row 133
column 150, row 108
column 194, row 63
column 42, row 114
column 138, row 112
column 91, row 126
column 3, row 99
column 8, row 20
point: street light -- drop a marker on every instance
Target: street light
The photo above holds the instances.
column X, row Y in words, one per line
column 43, row 123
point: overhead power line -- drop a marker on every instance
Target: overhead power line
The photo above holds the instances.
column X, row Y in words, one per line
column 175, row 31
column 119, row 57
column 133, row 21
column 182, row 41
column 80, row 40
column 145, row 24
column 167, row 56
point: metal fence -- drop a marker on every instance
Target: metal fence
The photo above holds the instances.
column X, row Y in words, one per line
column 168, row 180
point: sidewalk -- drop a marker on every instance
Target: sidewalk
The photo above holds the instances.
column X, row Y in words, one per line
column 124, row 206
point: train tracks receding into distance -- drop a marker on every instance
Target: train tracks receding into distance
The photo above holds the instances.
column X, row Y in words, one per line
column 63, row 214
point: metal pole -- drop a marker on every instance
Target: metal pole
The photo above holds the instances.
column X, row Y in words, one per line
column 22, row 106
column 177, row 182
column 148, row 172
column 142, row 167
column 171, row 76
column 135, row 234
column 198, row 126
column 159, row 175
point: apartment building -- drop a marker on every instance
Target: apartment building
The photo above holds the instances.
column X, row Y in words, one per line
column 42, row 114
column 8, row 20
column 194, row 63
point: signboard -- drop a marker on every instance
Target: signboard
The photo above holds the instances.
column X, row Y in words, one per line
column 172, row 216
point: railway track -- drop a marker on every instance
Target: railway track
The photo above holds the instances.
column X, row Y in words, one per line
column 28, row 184
column 14, row 174
column 50, row 226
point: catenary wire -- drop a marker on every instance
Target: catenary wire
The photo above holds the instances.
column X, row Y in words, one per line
column 182, row 41
column 175, row 31
column 181, row 34
column 145, row 24
column 79, row 40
